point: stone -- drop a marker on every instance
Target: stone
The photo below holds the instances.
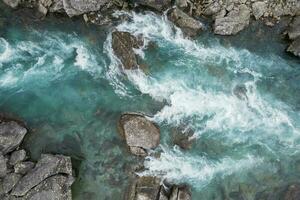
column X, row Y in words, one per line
column 17, row 156
column 3, row 166
column 23, row 167
column 159, row 5
column 57, row 6
column 9, row 182
column 145, row 188
column 139, row 132
column 293, row 30
column 48, row 165
column 11, row 135
column 293, row 192
column 123, row 44
column 212, row 7
column 180, row 193
column 294, row 47
column 188, row 25
column 183, row 138
column 235, row 21
column 57, row 187
column 12, row 3
column 78, row 7
column 259, row 8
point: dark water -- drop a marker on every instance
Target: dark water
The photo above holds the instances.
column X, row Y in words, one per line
column 238, row 95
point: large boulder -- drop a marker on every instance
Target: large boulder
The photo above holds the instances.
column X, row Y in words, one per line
column 159, row 5
column 294, row 47
column 48, row 165
column 235, row 21
column 9, row 182
column 188, row 25
column 140, row 133
column 123, row 44
column 11, row 135
column 78, row 7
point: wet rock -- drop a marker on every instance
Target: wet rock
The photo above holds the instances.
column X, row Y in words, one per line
column 188, row 25
column 3, row 166
column 259, row 8
column 159, row 5
column 235, row 21
column 78, row 7
column 144, row 188
column 293, row 192
column 9, row 182
column 182, row 138
column 180, row 193
column 57, row 6
column 240, row 91
column 23, row 167
column 47, row 166
column 17, row 156
column 57, row 187
column 12, row 3
column 294, row 47
column 11, row 135
column 212, row 7
column 123, row 44
column 140, row 133
column 293, row 30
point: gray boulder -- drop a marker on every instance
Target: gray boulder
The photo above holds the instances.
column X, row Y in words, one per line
column 293, row 30
column 180, row 193
column 3, row 166
column 9, row 182
column 17, row 156
column 12, row 3
column 47, row 166
column 23, row 167
column 188, row 25
column 259, row 8
column 11, row 135
column 235, row 21
column 78, row 7
column 140, row 133
column 123, row 44
column 294, row 47
column 159, row 5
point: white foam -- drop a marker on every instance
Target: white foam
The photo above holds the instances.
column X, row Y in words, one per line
column 6, row 51
column 176, row 166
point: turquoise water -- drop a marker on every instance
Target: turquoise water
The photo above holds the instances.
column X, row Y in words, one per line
column 237, row 95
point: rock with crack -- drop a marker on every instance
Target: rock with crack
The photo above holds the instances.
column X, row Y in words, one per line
column 159, row 5
column 123, row 44
column 235, row 21
column 11, row 135
column 140, row 133
column 188, row 25
column 48, row 165
column 3, row 166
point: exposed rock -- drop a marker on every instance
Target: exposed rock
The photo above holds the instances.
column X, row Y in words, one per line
column 182, row 138
column 3, row 166
column 47, row 166
column 144, row 188
column 17, row 156
column 236, row 20
column 294, row 48
column 293, row 30
column 212, row 7
column 57, row 187
column 123, row 44
column 159, row 5
column 180, row 193
column 57, row 6
column 78, row 7
column 259, row 8
column 12, row 3
column 23, row 167
column 293, row 192
column 188, row 25
column 9, row 182
column 11, row 135
column 140, row 133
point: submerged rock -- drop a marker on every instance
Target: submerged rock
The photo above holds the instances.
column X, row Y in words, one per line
column 140, row 133
column 235, row 21
column 188, row 25
column 47, row 166
column 293, row 192
column 259, row 9
column 123, row 44
column 11, row 135
column 180, row 193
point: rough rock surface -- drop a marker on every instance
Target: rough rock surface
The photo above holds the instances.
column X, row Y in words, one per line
column 12, row 3
column 17, row 156
column 47, row 166
column 140, row 133
column 9, row 182
column 23, row 167
column 3, row 166
column 188, row 25
column 294, row 47
column 159, row 5
column 236, row 20
column 11, row 135
column 123, row 44
column 293, row 192
column 293, row 30
column 180, row 193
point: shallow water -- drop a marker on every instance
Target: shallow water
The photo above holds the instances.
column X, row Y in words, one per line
column 238, row 95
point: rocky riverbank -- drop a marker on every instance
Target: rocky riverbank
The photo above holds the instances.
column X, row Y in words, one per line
column 50, row 177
